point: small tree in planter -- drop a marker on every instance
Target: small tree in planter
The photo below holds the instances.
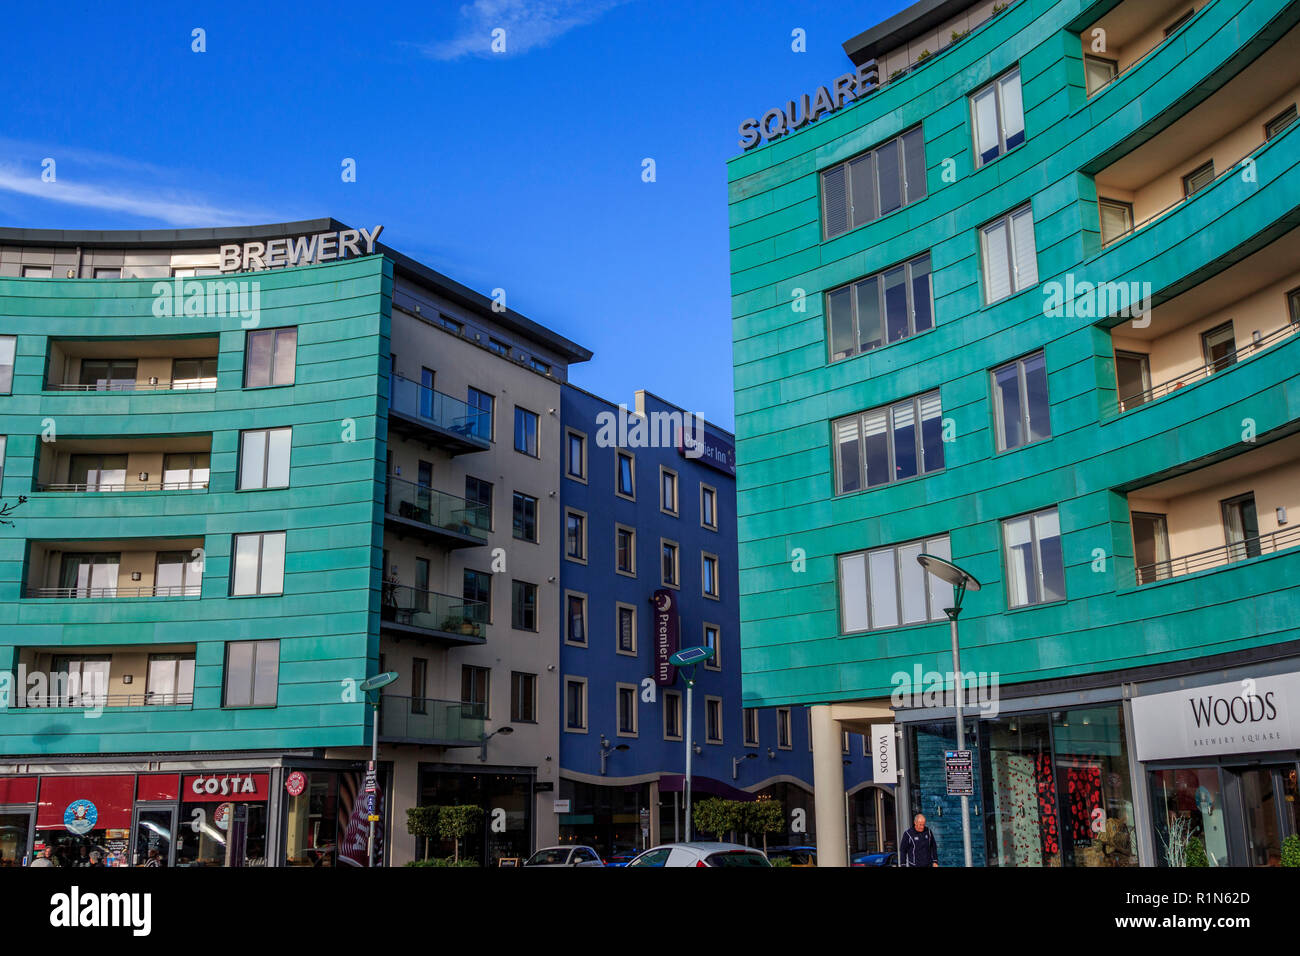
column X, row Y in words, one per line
column 423, row 822
column 456, row 823
column 1291, row 851
column 716, row 816
column 764, row 816
column 1194, row 854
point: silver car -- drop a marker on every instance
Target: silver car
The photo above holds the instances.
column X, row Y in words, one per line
column 701, row 854
column 565, row 856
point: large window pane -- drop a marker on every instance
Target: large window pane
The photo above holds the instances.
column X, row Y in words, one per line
column 904, row 440
column 848, row 453
column 931, row 432
column 986, row 125
column 277, row 472
column 1051, row 559
column 257, row 359
column 286, row 356
column 840, row 306
column 8, row 345
column 239, row 674
column 1022, row 238
column 896, row 303
column 246, row 563
column 875, row 441
column 862, row 182
column 889, row 176
column 913, row 578
column 853, row 592
column 836, row 199
column 997, row 266
column 884, row 594
column 1013, row 110
column 914, row 163
column 940, row 591
column 1036, row 397
column 272, row 563
column 1006, row 388
column 266, row 673
column 870, row 328
column 922, row 311
column 1022, row 575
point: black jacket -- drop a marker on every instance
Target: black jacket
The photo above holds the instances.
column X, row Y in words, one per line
column 918, row 849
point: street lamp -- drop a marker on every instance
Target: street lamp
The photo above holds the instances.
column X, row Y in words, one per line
column 961, row 582
column 686, row 660
column 606, row 749
column 368, row 686
column 484, row 738
column 737, row 761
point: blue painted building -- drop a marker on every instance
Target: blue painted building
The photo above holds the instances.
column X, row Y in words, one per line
column 639, row 516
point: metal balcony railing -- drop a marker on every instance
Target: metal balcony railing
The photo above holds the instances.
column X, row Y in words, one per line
column 433, row 611
column 1137, row 399
column 423, row 718
column 92, row 700
column 180, row 385
column 157, row 590
column 95, row 487
column 440, row 410
column 1279, row 540
column 437, row 509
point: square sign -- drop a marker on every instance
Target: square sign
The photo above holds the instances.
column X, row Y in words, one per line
column 957, row 768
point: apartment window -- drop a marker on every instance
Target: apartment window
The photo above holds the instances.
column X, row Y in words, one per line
column 108, row 273
column 1020, row 403
column 523, row 606
column 1293, row 302
column 178, row 574
column 451, row 325
column 713, row 641
column 575, row 455
column 259, row 563
column 83, row 680
column 713, row 720
column 669, row 563
column 874, row 184
column 1035, row 561
column 1219, row 346
column 264, row 458
column 539, row 366
column 672, row 715
column 525, row 431
column 709, row 575
column 112, row 375
column 8, row 346
column 1099, row 72
column 575, row 704
column 881, row 309
column 270, row 357
column 1241, row 527
column 419, row 685
column 252, row 673
column 625, row 478
column 89, row 575
column 751, row 726
column 97, row 472
column 1132, row 378
column 478, row 496
column 1150, row 546
column 1170, row 30
column 1198, row 179
column 885, row 444
column 185, row 470
column 886, row 587
column 525, row 517
column 575, row 536
column 499, row 347
column 575, row 628
column 667, row 491
column 626, row 616
column 997, row 117
column 1280, row 122
column 37, row 272
column 1116, row 219
column 783, row 736
column 481, row 406
column 476, row 588
column 1010, row 257
column 170, row 679
column 708, row 507
column 627, row 695
column 625, row 550
column 194, row 373
column 474, row 689
column 523, row 698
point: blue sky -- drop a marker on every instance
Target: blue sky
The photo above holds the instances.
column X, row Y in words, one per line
column 520, row 171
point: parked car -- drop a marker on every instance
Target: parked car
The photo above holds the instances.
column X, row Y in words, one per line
column 797, row 855
column 888, row 858
column 621, row 856
column 701, row 854
column 565, row 856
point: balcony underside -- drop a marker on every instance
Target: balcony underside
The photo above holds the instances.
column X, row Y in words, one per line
column 397, row 628
column 450, row 538
column 435, row 436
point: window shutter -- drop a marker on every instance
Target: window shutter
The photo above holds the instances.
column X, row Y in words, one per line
column 835, row 193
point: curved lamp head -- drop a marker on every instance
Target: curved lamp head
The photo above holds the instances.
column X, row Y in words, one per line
column 378, row 681
column 945, row 570
column 691, row 655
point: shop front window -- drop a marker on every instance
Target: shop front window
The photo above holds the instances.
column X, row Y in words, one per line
column 1188, row 812
column 1093, row 790
column 1024, row 827
column 506, row 799
column 327, row 825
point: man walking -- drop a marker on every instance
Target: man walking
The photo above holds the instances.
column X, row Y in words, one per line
column 918, row 846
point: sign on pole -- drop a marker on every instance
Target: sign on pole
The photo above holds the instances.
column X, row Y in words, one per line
column 959, row 771
column 884, row 765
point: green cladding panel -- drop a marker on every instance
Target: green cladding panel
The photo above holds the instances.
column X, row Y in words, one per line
column 791, row 523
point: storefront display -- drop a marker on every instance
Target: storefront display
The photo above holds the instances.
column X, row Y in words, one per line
column 506, row 799
column 327, row 823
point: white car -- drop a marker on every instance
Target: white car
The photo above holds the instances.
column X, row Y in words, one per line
column 565, row 856
column 701, row 854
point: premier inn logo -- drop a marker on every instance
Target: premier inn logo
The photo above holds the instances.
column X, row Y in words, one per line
column 299, row 250
column 76, row 909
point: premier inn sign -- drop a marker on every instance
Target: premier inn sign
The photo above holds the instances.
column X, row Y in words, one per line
column 797, row 114
column 298, row 250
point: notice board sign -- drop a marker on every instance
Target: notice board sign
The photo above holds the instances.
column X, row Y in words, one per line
column 959, row 772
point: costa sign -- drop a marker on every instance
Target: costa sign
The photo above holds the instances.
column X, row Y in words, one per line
column 1248, row 716
column 667, row 635
column 224, row 787
column 298, row 250
column 797, row 114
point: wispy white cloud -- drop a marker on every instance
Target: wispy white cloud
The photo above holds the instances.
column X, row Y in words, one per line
column 528, row 24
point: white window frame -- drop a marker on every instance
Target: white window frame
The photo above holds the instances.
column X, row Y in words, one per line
column 261, row 567
column 266, row 458
column 1016, row 282
column 999, row 113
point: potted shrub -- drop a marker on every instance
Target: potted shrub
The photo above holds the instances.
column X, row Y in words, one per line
column 1291, row 851
column 1194, row 853
column 764, row 816
column 423, row 822
column 456, row 823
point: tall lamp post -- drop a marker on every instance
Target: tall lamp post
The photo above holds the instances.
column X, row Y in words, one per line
column 372, row 685
column 961, row 582
column 686, row 660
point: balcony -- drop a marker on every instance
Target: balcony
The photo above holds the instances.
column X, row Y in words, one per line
column 1234, row 510
column 1210, row 142
column 94, row 678
column 132, row 365
column 1131, row 30
column 116, row 569
column 109, row 466
column 423, row 720
column 441, row 618
column 434, row 516
column 1242, row 311
column 440, row 421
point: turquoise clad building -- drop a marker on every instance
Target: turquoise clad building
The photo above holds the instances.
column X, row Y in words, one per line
column 1020, row 290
